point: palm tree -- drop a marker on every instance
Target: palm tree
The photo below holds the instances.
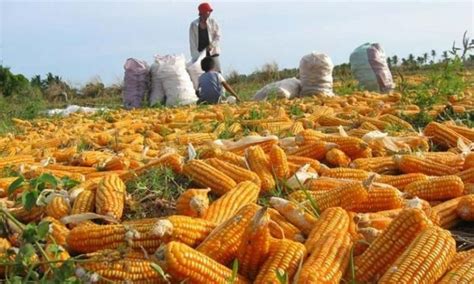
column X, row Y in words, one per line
column 395, row 60
column 411, row 58
column 433, row 54
column 389, row 62
column 420, row 60
column 445, row 55
column 425, row 58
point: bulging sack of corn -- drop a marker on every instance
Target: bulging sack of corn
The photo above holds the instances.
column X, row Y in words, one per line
column 316, row 74
column 370, row 68
column 135, row 85
column 286, row 88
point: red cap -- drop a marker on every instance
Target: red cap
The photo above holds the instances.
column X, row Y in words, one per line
column 204, row 7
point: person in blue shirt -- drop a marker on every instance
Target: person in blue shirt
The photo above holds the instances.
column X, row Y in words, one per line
column 212, row 85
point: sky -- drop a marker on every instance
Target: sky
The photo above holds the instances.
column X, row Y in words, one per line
column 87, row 40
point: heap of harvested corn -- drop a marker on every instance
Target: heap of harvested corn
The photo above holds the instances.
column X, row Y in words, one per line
column 313, row 190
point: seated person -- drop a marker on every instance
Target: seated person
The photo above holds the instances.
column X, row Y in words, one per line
column 212, row 84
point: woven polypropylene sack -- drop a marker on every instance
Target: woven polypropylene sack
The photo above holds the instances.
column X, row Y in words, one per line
column 136, row 81
column 286, row 88
column 369, row 67
column 316, row 74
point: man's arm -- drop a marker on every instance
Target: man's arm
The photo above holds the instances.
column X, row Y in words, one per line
column 193, row 42
column 230, row 90
column 216, row 34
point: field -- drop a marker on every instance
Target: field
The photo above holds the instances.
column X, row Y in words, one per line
column 356, row 188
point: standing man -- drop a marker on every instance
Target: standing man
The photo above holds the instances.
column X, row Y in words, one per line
column 204, row 35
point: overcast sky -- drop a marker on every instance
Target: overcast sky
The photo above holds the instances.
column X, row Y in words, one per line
column 80, row 40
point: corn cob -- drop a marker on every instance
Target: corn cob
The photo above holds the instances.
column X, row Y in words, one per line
column 232, row 158
column 4, row 184
column 343, row 196
column 381, row 165
column 425, row 260
column 413, row 164
column 379, row 198
column 84, row 202
column 172, row 160
column 58, row 231
column 295, row 214
column 130, row 267
column 237, row 173
column 56, row 173
column 328, row 261
column 345, row 173
column 223, row 242
column 255, row 245
column 206, row 175
column 308, row 136
column 185, row 264
column 187, row 230
column 228, row 204
column 468, row 161
column 369, row 126
column 385, row 249
column 446, row 158
column 260, row 164
column 461, row 257
column 394, row 120
column 444, row 136
column 116, row 163
column 464, row 273
column 444, row 214
column 401, row 181
column 110, row 197
column 301, row 161
column 461, row 130
column 58, row 207
column 326, row 120
column 372, row 220
column 296, row 128
column 4, row 245
column 379, row 124
column 55, row 253
column 337, row 158
column 436, row 188
column 72, row 169
column 16, row 160
column 27, row 216
column 467, row 175
column 91, row 158
column 325, row 183
column 193, row 202
column 465, row 208
column 195, row 138
column 332, row 219
column 316, row 150
column 352, row 146
column 281, row 228
column 284, row 257
column 278, row 162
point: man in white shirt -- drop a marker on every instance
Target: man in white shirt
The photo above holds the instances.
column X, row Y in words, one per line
column 204, row 35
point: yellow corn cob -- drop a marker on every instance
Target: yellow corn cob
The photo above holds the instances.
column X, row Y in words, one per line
column 395, row 120
column 446, row 158
column 195, row 138
column 413, row 164
column 223, row 242
column 436, row 188
column 464, row 273
column 352, row 146
column 58, row 207
column 228, row 204
column 55, row 253
column 461, row 130
column 308, row 136
column 260, row 164
column 4, row 184
column 337, row 158
column 324, row 183
column 232, row 158
column 386, row 248
column 444, row 136
column 58, row 233
column 326, row 120
column 295, row 214
column 301, row 161
column 237, row 173
column 401, row 181
column 333, row 219
column 368, row 126
column 27, row 216
column 468, row 161
column 116, row 163
column 284, row 257
column 296, row 128
column 281, row 228
column 379, row 198
column 425, row 260
column 206, row 175
column 91, row 158
column 346, row 173
column 278, row 162
column 16, row 160
column 461, row 257
column 445, row 214
column 316, row 150
column 113, row 267
column 381, row 165
column 379, row 124
column 4, row 245
column 343, row 196
column 328, row 261
column 372, row 220
column 255, row 245
column 110, row 197
column 84, row 202
column 186, row 264
column 72, row 169
column 193, row 202
column 57, row 173
column 465, row 208
column 467, row 175
column 187, row 230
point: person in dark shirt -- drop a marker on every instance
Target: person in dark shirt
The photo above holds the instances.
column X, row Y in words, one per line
column 212, row 85
column 204, row 35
